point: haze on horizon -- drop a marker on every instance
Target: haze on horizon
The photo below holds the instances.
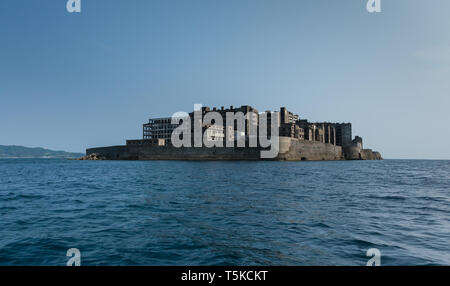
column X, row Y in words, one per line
column 74, row 81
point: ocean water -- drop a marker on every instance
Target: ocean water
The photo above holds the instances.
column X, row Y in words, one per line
column 224, row 213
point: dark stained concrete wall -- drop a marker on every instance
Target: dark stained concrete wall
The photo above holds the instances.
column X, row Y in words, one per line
column 290, row 150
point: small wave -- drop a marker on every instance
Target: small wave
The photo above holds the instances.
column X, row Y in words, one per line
column 389, row 197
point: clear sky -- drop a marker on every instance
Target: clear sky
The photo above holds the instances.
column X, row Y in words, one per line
column 73, row 81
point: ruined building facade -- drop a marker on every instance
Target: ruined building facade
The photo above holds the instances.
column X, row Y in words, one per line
column 290, row 125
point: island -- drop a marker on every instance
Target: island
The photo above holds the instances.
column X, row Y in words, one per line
column 294, row 139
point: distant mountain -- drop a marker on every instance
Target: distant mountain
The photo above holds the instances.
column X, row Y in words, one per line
column 26, row 152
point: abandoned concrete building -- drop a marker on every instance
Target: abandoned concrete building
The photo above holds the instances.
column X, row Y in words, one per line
column 299, row 139
column 290, row 125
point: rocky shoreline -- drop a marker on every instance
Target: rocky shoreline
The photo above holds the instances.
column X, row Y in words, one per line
column 91, row 157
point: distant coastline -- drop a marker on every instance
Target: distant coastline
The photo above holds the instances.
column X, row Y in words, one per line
column 21, row 152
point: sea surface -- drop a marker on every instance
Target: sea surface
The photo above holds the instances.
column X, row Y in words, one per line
column 224, row 213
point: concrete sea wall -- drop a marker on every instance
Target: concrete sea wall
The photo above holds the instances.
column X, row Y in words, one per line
column 290, row 150
column 172, row 153
column 304, row 150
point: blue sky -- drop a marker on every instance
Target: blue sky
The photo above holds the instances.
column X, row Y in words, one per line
column 73, row 81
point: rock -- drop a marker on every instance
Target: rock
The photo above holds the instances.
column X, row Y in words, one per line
column 93, row 156
column 355, row 153
column 377, row 156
